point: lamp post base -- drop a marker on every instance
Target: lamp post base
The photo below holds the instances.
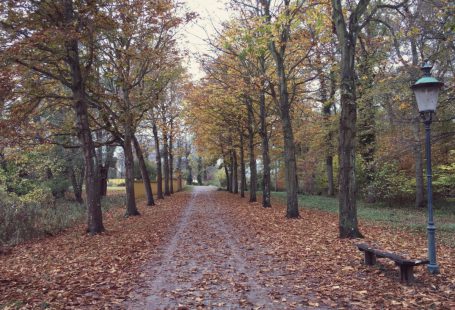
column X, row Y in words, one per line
column 433, row 269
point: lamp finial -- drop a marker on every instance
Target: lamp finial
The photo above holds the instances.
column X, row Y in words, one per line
column 426, row 68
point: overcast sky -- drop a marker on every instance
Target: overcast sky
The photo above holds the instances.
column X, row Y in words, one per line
column 211, row 14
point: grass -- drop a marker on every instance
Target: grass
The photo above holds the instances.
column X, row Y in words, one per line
column 399, row 216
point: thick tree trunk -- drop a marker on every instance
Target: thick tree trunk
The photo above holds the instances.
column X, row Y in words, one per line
column 166, row 165
column 131, row 209
column 266, row 179
column 348, row 226
column 80, row 106
column 290, row 169
column 144, row 173
column 159, row 176
column 242, row 167
column 278, row 51
column 253, row 169
column 235, row 178
column 93, row 198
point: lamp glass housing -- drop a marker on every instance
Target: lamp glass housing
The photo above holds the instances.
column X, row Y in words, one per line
column 427, row 97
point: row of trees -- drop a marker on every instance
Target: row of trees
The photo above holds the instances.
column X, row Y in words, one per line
column 89, row 76
column 324, row 87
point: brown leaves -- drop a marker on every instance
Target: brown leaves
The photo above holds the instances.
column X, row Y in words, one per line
column 304, row 261
column 74, row 270
column 225, row 251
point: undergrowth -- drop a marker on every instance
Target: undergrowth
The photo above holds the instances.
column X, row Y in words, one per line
column 21, row 222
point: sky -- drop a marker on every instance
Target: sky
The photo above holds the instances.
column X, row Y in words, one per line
column 212, row 13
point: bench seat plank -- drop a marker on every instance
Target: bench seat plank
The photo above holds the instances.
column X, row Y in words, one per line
column 406, row 265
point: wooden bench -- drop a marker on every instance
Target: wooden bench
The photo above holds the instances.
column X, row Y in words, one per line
column 406, row 265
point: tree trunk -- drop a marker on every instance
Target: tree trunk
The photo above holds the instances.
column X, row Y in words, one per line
column 348, row 226
column 189, row 179
column 231, row 172
column 171, row 161
column 166, row 164
column 131, row 209
column 103, row 180
column 278, row 51
column 253, row 169
column 347, row 196
column 242, row 167
column 77, row 184
column 159, row 176
column 179, row 168
column 80, row 106
column 199, row 170
column 104, row 170
column 228, row 178
column 290, row 169
column 266, row 180
column 235, row 178
column 144, row 172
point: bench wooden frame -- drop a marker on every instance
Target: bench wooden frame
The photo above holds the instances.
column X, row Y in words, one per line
column 406, row 265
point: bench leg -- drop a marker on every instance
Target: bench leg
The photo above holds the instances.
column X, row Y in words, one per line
column 370, row 258
column 406, row 274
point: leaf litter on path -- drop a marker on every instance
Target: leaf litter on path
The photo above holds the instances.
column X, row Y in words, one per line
column 215, row 250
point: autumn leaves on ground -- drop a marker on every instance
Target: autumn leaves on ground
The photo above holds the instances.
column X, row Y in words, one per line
column 209, row 248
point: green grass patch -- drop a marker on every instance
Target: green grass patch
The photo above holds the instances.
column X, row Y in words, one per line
column 397, row 216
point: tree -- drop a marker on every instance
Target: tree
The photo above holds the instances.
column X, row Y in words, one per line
column 347, row 34
column 53, row 40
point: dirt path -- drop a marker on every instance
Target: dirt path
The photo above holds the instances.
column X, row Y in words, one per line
column 226, row 253
column 202, row 264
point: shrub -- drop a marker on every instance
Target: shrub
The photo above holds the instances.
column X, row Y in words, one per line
column 444, row 180
column 22, row 221
column 389, row 184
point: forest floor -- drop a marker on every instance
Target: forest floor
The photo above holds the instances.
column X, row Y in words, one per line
column 212, row 249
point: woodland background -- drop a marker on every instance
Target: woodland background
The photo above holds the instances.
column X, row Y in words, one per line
column 92, row 91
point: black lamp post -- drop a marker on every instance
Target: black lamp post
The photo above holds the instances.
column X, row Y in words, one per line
column 426, row 90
